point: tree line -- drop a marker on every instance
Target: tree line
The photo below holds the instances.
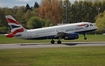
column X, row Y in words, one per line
column 52, row 12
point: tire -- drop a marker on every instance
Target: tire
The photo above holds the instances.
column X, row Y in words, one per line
column 52, row 42
column 59, row 42
column 85, row 38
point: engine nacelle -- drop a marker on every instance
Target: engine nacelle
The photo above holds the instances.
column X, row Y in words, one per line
column 72, row 36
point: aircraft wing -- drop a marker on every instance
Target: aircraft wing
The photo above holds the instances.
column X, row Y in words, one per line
column 61, row 34
column 67, row 36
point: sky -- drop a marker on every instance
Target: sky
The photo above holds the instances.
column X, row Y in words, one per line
column 12, row 3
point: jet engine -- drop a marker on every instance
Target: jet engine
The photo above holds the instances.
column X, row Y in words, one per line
column 72, row 36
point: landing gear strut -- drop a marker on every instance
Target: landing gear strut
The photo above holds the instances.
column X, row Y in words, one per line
column 85, row 36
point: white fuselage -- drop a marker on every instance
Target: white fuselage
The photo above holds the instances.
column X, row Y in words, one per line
column 52, row 31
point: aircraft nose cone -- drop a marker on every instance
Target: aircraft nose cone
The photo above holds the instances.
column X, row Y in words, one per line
column 96, row 27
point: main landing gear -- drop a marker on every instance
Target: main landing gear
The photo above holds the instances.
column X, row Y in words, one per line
column 58, row 42
column 85, row 36
column 59, row 36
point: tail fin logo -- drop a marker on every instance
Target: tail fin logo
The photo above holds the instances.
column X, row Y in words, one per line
column 12, row 34
column 12, row 21
column 14, row 25
column 86, row 25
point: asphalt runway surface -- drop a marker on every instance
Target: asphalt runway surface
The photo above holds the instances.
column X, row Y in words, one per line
column 48, row 45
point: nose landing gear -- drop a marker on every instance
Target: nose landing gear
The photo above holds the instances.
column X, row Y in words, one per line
column 85, row 38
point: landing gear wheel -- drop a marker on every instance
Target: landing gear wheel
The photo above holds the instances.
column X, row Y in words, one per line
column 85, row 38
column 52, row 41
column 59, row 42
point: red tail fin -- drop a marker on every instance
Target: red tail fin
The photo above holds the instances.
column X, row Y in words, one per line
column 14, row 25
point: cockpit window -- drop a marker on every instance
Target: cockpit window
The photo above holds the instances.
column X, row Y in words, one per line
column 91, row 25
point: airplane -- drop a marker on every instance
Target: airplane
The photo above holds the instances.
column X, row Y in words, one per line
column 66, row 32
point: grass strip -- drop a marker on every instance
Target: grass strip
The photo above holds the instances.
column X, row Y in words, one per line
column 73, row 56
column 91, row 38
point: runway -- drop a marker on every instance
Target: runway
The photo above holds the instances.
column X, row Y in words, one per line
column 48, row 45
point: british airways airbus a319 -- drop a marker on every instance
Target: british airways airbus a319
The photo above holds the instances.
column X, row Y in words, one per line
column 66, row 32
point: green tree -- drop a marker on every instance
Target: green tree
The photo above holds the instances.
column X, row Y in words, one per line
column 75, row 12
column 25, row 17
column 7, row 11
column 103, row 6
column 28, row 7
column 19, row 14
column 36, row 5
column 4, row 30
column 15, row 9
column 34, row 22
column 43, row 21
column 48, row 23
column 100, row 22
column 66, row 11
column 87, row 11
column 96, row 7
column 2, row 19
column 28, row 15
